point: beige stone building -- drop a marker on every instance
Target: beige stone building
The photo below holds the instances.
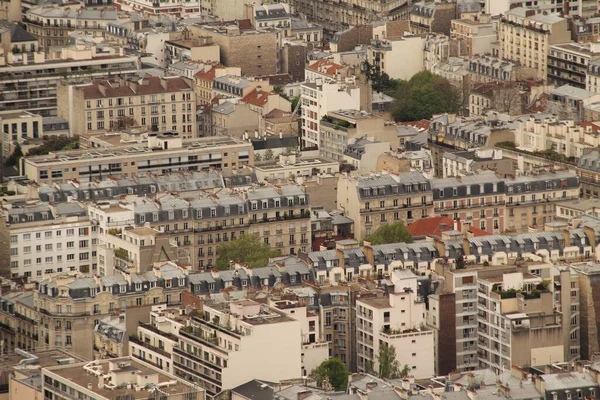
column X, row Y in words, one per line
column 18, row 326
column 477, row 34
column 69, row 306
column 526, row 37
column 203, row 81
column 376, row 200
column 531, row 200
column 255, row 52
column 159, row 104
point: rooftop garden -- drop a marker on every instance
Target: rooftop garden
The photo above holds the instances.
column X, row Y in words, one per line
column 337, row 123
column 535, row 293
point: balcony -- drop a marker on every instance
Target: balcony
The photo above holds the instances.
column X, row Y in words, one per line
column 136, row 340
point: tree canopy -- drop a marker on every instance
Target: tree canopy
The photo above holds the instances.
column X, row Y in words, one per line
column 14, row 158
column 389, row 366
column 248, row 249
column 334, row 371
column 55, row 144
column 391, row 233
column 424, row 95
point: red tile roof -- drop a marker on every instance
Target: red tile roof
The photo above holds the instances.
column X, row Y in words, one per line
column 478, row 232
column 421, row 125
column 437, row 225
column 210, row 74
column 257, row 97
column 431, row 226
column 149, row 85
column 325, row 66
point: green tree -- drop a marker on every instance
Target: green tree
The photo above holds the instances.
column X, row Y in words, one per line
column 391, row 233
column 14, row 158
column 248, row 249
column 269, row 155
column 460, row 261
column 55, row 144
column 295, row 103
column 423, row 95
column 405, row 371
column 257, row 157
column 333, row 371
column 389, row 367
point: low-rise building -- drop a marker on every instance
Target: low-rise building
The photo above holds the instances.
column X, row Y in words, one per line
column 200, row 49
column 383, row 53
column 116, row 377
column 289, row 166
column 466, row 162
column 426, row 17
column 476, row 33
column 568, row 63
column 132, row 160
column 363, row 153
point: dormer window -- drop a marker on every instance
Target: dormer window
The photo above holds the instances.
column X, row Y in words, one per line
column 254, row 205
column 185, row 213
column 277, row 203
column 138, row 287
column 154, row 216
column 181, row 282
column 123, row 288
column 198, row 213
column 241, row 209
column 244, row 282
column 168, row 283
column 171, row 215
column 265, row 204
column 211, row 286
column 213, row 212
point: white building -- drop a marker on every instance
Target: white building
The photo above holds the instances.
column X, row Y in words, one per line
column 117, row 378
column 544, row 131
column 320, row 98
column 397, row 320
column 233, row 343
column 154, row 342
column 384, row 55
column 48, row 238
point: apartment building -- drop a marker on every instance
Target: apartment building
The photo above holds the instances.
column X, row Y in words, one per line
column 200, row 49
column 219, row 348
column 592, row 76
column 52, row 24
column 147, row 7
column 47, row 238
column 341, row 128
column 376, row 200
column 254, row 51
column 531, row 199
column 589, row 173
column 568, row 63
column 477, row 200
column 154, row 342
column 203, row 81
column 463, row 163
column 193, row 227
column 70, row 306
column 452, row 315
column 546, row 131
column 31, row 85
column 18, row 324
column 517, row 322
column 115, row 378
column 294, row 167
column 317, row 100
column 429, row 17
column 526, row 37
column 165, row 152
column 488, row 68
column 109, row 337
column 395, row 320
column 477, row 34
column 335, row 17
column 152, row 102
column 383, row 53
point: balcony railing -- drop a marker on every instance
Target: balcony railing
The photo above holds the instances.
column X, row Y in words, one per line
column 136, row 340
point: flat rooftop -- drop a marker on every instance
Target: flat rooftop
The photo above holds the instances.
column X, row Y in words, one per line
column 45, row 359
column 122, row 152
column 79, row 376
column 300, row 162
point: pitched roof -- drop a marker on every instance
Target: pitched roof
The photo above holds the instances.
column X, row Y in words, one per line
column 325, row 66
column 153, row 85
column 431, row 226
column 17, row 33
column 257, row 97
column 210, row 74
